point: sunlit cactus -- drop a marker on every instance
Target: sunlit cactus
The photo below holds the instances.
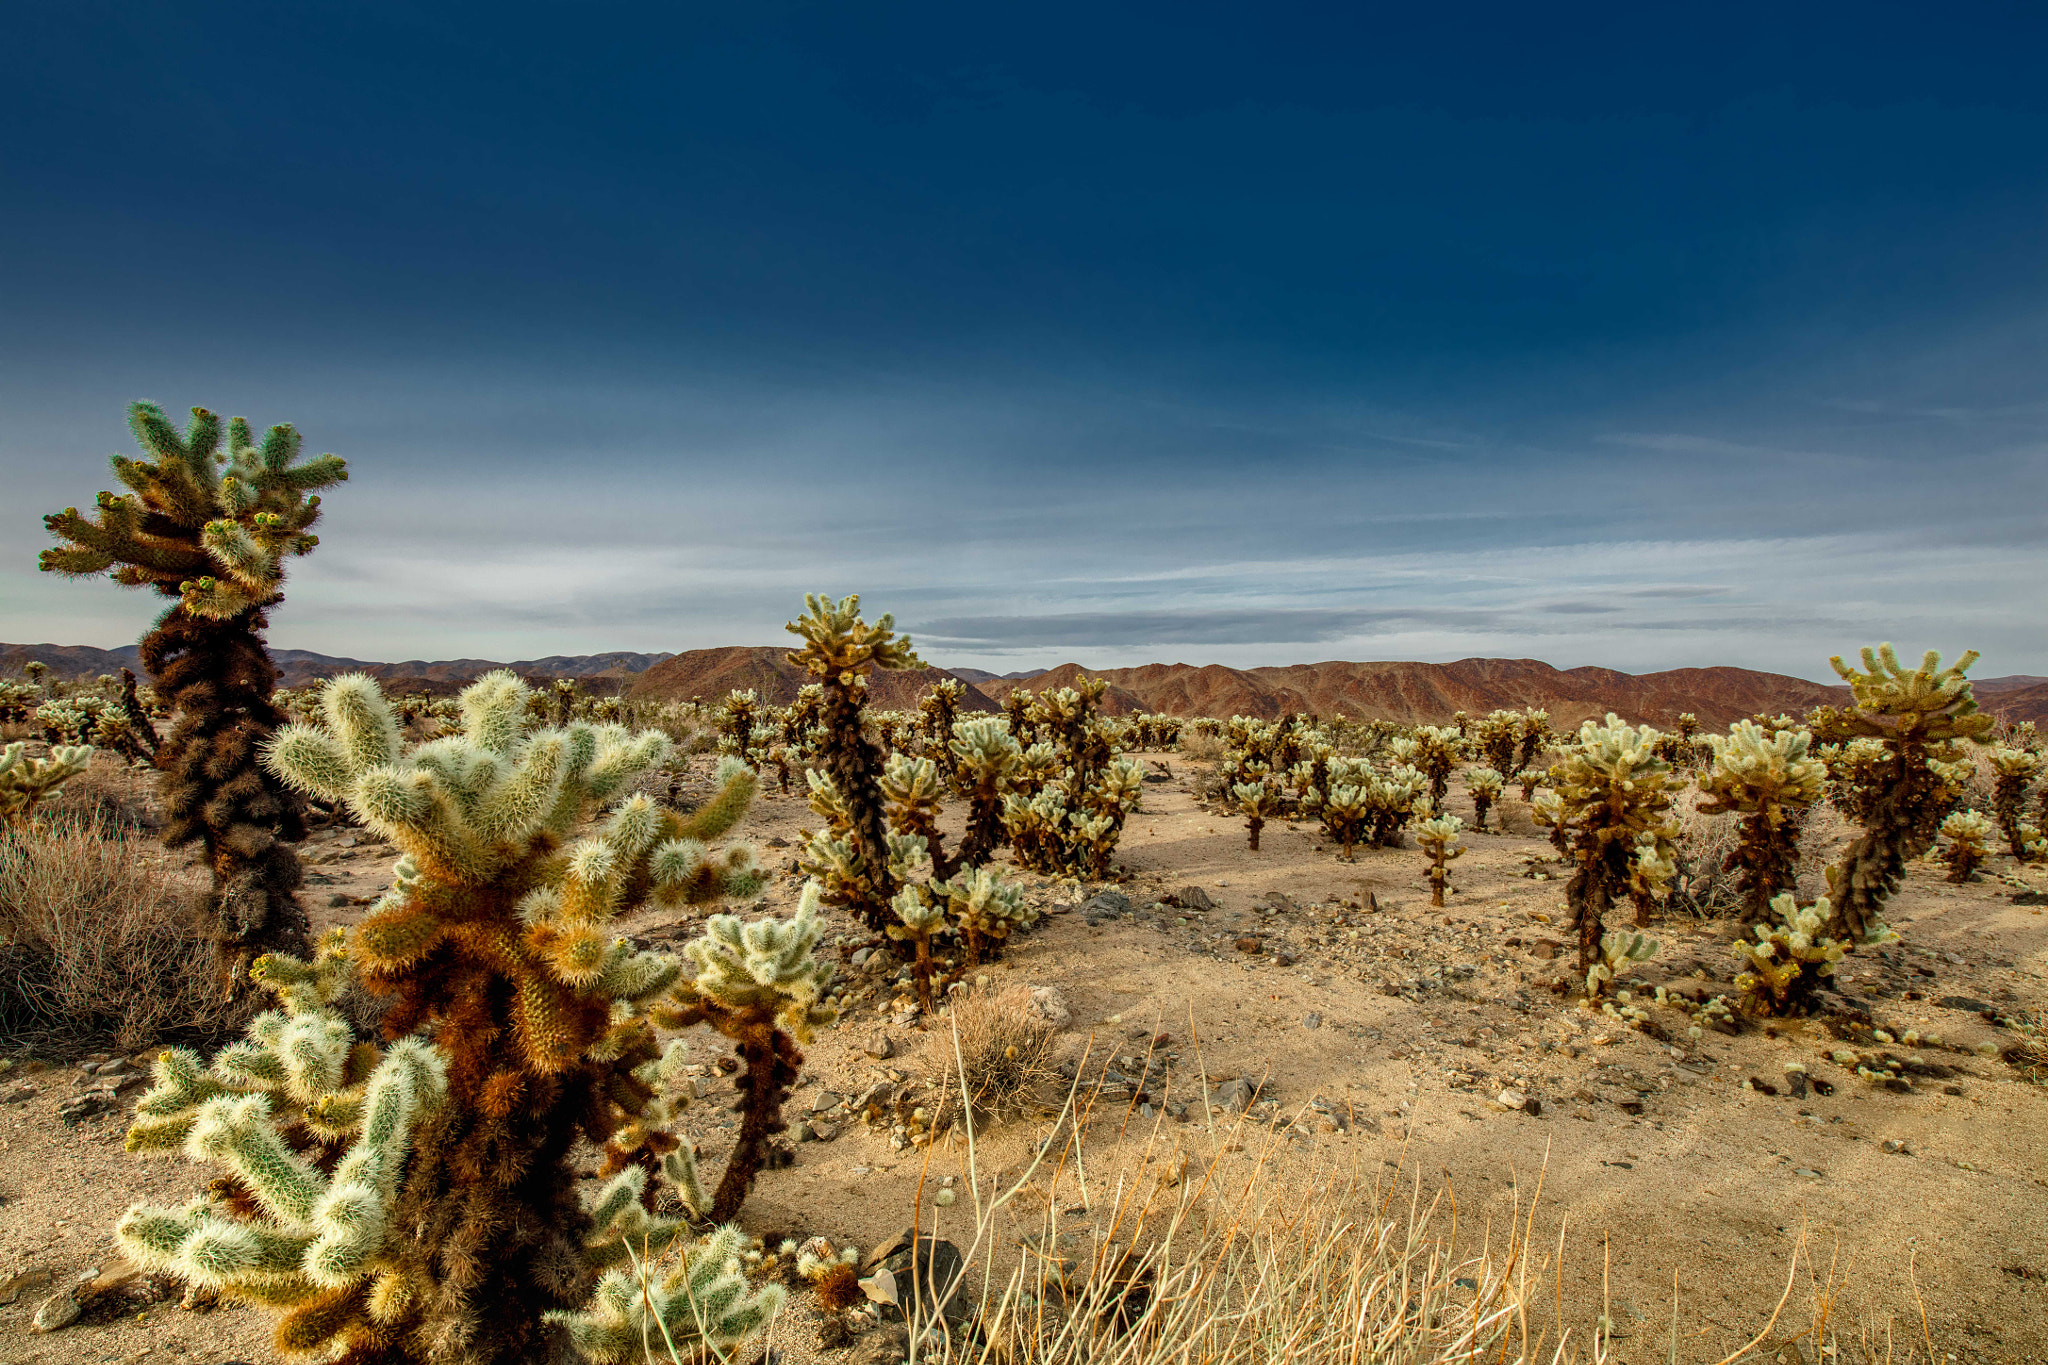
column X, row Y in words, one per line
column 1688, row 725
column 840, row 650
column 1484, row 786
column 1394, row 798
column 1922, row 717
column 694, row 1304
column 914, row 789
column 496, row 942
column 1529, row 779
column 1346, row 813
column 1616, row 951
column 2015, row 770
column 984, row 909
column 1067, row 802
column 1792, row 957
column 1769, row 779
column 211, row 530
column 937, row 711
column 26, row 782
column 920, row 918
column 1968, row 835
column 1438, row 839
column 987, row 761
column 1611, row 788
column 1496, row 738
column 1258, row 802
column 738, row 717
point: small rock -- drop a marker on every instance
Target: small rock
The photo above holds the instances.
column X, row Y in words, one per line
column 56, row 1312
column 1049, row 1005
column 1191, row 898
column 25, row 1282
column 1106, row 905
column 835, row 1335
column 1233, row 1096
column 817, row 1130
column 826, row 1100
column 1311, row 1020
column 880, row 1046
column 1511, row 1099
column 1809, row 1174
column 1962, row 1002
column 1283, row 959
column 339, row 899
column 860, row 959
column 1896, row 1145
column 1250, row 945
column 778, row 842
column 885, row 1346
column 16, row 1094
column 79, row 1108
column 1545, row 949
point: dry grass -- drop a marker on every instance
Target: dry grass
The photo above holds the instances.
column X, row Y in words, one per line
column 97, row 943
column 1196, row 747
column 1007, row 1058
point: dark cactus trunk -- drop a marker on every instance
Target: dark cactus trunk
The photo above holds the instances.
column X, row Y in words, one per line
column 217, row 678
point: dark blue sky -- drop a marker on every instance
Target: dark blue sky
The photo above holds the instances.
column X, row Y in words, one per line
column 1246, row 334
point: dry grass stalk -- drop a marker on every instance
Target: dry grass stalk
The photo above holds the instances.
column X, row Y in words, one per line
column 97, row 940
column 1007, row 1058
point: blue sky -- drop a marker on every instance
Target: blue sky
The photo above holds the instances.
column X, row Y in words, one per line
column 1239, row 334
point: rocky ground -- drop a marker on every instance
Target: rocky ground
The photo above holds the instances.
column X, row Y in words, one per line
column 1289, row 1011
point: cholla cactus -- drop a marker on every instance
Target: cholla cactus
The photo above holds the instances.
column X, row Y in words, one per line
column 496, row 942
column 1068, row 801
column 1484, row 785
column 1529, row 779
column 211, row 531
column 701, row 1304
column 840, row 651
column 1496, row 738
column 737, row 719
column 1436, row 754
column 1790, row 959
column 1616, row 951
column 984, row 909
column 1259, row 801
column 1921, row 717
column 1346, row 813
column 914, row 788
column 25, row 781
column 1611, row 790
column 921, row 919
column 937, row 713
column 1535, row 725
column 2015, row 769
column 1438, row 839
column 1969, row 836
column 1688, row 726
column 1769, row 779
column 1393, row 798
column 987, row 761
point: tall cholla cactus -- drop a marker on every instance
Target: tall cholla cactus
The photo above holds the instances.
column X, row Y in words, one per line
column 1484, row 785
column 937, row 712
column 738, row 718
column 1438, row 839
column 2015, row 769
column 495, row 941
column 1436, row 754
column 1769, row 779
column 212, row 531
column 25, row 782
column 1611, row 791
column 1346, row 813
column 1535, row 725
column 1969, row 836
column 840, row 651
column 986, row 761
column 1497, row 737
column 1921, row 717
column 1792, row 958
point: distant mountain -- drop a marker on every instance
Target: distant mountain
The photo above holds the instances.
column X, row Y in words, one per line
column 708, row 674
column 300, row 666
column 978, row 676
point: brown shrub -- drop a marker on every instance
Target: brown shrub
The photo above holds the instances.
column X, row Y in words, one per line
column 97, row 941
column 1007, row 1057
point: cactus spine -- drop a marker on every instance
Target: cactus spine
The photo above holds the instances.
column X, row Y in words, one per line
column 1920, row 718
column 211, row 531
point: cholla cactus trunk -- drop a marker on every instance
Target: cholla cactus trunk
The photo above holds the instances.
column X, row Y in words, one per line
column 139, row 722
column 1535, row 729
column 218, row 678
column 2014, row 772
column 771, row 1063
column 854, row 762
column 1920, row 718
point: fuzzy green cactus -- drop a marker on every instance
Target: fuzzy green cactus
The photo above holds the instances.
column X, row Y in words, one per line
column 1969, row 836
column 1484, row 786
column 987, row 762
column 211, row 530
column 1768, row 778
column 1438, row 839
column 1394, row 798
column 1529, row 779
column 1497, row 737
column 1346, row 813
column 25, row 782
column 693, row 1305
column 921, row 918
column 1612, row 790
column 985, row 909
column 1437, row 749
column 1065, row 810
column 497, row 942
column 738, row 719
column 1616, row 951
column 938, row 711
column 1258, row 802
column 1790, row 959
column 1535, row 728
column 2014, row 769
column 914, row 789
column 1922, row 717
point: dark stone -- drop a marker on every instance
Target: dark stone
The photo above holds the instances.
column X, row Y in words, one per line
column 938, row 1272
column 1104, row 904
column 1962, row 1002
column 1191, row 898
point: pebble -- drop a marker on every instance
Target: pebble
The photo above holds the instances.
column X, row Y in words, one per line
column 1312, row 1020
column 56, row 1312
column 879, row 1045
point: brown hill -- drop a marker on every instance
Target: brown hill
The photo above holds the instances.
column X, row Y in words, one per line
column 1412, row 693
column 708, row 674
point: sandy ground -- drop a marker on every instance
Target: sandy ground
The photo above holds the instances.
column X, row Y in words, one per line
column 1407, row 1023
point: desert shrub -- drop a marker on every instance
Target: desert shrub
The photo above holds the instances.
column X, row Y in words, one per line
column 97, row 941
column 1007, row 1060
column 1201, row 746
column 1701, row 850
column 1920, row 719
column 211, row 530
